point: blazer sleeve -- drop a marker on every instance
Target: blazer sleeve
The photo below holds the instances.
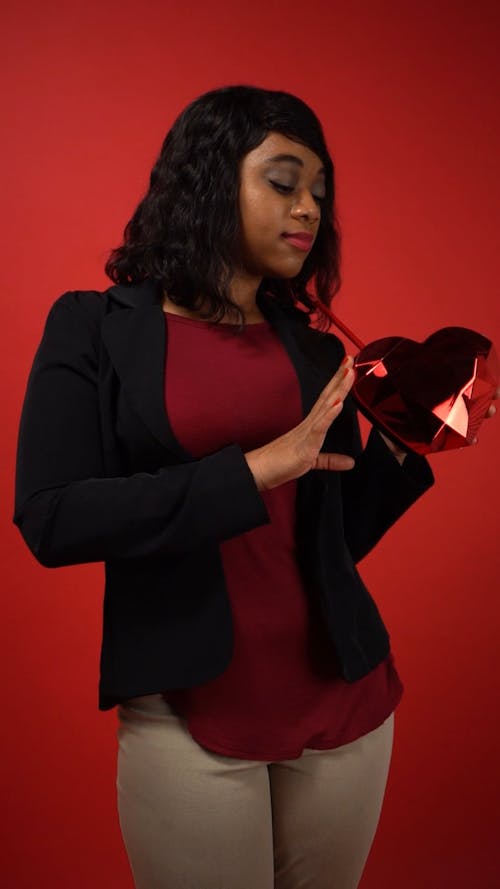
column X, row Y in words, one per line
column 66, row 508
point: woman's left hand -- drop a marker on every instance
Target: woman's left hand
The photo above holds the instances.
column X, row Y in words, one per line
column 492, row 409
column 400, row 455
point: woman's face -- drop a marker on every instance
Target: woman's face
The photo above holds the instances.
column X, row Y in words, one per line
column 281, row 190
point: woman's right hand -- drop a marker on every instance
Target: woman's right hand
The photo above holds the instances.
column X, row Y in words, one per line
column 295, row 453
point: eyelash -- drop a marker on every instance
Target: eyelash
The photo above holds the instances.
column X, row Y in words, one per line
column 286, row 189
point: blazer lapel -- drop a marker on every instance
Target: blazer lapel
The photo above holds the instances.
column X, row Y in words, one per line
column 302, row 346
column 135, row 337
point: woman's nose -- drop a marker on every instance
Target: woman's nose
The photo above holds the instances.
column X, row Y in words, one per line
column 307, row 207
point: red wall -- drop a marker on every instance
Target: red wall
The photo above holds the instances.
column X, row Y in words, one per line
column 408, row 94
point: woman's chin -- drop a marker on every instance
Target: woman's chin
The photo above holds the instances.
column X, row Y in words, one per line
column 285, row 272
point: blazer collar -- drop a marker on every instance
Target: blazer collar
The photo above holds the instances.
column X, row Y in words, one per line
column 135, row 336
column 136, row 296
column 148, row 293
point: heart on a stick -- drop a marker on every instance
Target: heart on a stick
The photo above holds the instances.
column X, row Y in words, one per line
column 430, row 396
column 427, row 397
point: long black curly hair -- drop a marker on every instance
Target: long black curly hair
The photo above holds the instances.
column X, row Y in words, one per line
column 185, row 230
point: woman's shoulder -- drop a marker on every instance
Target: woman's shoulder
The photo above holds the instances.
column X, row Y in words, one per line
column 95, row 304
column 90, row 303
column 74, row 320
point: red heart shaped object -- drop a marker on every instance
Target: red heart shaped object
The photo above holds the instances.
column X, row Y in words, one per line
column 430, row 396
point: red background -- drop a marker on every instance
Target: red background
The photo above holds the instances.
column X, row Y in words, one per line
column 409, row 97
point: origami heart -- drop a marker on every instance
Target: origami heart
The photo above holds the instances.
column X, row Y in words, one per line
column 430, row 396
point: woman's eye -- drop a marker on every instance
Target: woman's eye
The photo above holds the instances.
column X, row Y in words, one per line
column 280, row 187
column 286, row 189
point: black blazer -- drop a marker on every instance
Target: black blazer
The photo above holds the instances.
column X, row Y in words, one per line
column 101, row 477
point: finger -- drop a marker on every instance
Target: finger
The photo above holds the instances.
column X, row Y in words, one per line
column 345, row 365
column 341, row 390
column 334, row 462
column 335, row 390
column 325, row 410
column 323, row 418
column 340, row 383
column 491, row 411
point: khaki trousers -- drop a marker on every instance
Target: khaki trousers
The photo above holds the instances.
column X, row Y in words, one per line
column 194, row 819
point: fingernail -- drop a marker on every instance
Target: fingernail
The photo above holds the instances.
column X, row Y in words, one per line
column 335, row 402
column 344, row 360
column 345, row 373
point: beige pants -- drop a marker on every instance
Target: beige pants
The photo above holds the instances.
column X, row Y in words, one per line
column 193, row 819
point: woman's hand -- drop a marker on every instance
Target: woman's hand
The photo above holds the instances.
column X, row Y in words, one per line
column 295, row 453
column 492, row 409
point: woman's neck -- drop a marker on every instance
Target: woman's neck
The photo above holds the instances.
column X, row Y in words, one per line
column 252, row 315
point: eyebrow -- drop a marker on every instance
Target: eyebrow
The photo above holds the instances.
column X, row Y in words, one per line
column 289, row 157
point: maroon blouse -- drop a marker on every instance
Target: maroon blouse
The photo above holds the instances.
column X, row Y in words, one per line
column 281, row 691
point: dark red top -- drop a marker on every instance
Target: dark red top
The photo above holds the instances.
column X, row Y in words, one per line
column 281, row 691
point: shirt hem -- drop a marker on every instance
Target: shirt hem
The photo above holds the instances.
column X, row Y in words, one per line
column 325, row 745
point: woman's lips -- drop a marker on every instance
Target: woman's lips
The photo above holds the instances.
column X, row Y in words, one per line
column 301, row 241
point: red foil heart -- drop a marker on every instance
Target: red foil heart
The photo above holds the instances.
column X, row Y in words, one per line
column 427, row 397
column 430, row 396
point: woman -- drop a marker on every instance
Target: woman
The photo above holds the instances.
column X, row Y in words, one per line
column 191, row 428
